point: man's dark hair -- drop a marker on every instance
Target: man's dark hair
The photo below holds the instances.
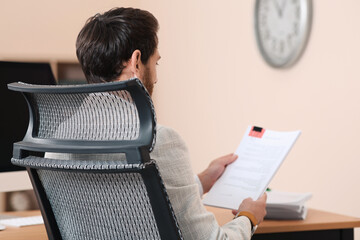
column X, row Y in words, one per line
column 108, row 40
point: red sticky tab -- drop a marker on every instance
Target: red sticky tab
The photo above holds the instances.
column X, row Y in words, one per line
column 256, row 132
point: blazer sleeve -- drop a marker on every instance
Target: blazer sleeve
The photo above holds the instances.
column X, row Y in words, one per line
column 195, row 222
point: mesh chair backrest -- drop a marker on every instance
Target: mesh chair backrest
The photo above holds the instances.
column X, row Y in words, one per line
column 94, row 199
column 100, row 205
column 101, row 118
column 87, row 116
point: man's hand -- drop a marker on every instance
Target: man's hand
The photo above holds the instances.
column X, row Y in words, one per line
column 257, row 208
column 216, row 168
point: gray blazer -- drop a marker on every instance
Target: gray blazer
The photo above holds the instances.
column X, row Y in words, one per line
column 172, row 157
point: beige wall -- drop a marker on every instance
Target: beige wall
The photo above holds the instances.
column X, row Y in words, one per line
column 46, row 29
column 213, row 83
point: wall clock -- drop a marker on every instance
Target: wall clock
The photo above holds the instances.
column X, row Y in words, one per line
column 282, row 28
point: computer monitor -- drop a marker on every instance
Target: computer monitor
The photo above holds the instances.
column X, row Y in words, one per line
column 14, row 112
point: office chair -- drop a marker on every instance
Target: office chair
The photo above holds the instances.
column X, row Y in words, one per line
column 94, row 198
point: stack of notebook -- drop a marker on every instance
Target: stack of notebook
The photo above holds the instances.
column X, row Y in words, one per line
column 286, row 205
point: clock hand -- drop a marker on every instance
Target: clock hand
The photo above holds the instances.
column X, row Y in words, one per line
column 278, row 9
column 283, row 5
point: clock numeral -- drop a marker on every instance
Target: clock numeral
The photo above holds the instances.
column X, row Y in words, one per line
column 298, row 12
column 296, row 28
column 289, row 40
column 266, row 34
column 263, row 19
column 273, row 44
column 295, row 2
column 265, row 3
column 264, row 6
column 281, row 46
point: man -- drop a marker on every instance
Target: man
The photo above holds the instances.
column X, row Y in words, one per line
column 122, row 44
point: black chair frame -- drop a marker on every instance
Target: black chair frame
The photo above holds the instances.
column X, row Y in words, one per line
column 137, row 151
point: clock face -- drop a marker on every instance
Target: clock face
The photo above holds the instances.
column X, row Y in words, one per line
column 282, row 28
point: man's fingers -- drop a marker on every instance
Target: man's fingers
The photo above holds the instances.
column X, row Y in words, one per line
column 230, row 158
column 225, row 160
column 263, row 197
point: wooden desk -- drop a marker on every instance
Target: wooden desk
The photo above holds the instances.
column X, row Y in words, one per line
column 318, row 225
column 37, row 232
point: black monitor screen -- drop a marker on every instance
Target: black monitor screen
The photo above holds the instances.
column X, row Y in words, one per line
column 14, row 111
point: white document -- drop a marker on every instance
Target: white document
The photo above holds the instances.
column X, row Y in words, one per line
column 286, row 205
column 260, row 155
column 23, row 221
column 286, row 199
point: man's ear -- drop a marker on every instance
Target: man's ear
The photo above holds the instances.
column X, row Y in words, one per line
column 135, row 62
